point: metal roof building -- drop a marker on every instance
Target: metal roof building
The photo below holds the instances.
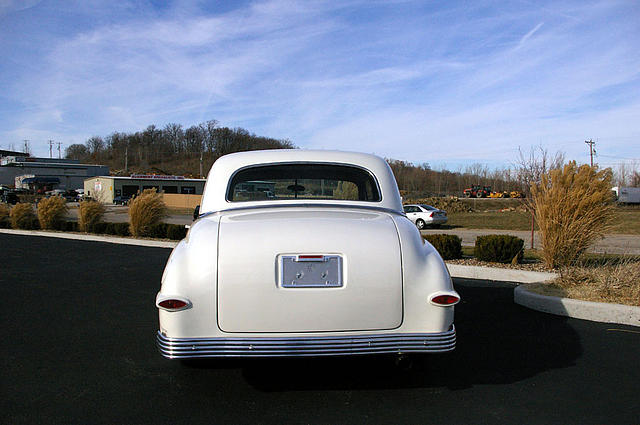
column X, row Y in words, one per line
column 70, row 174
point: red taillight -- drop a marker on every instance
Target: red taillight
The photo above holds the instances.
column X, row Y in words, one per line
column 430, row 214
column 172, row 304
column 445, row 300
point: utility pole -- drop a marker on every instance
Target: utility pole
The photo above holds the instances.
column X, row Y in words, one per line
column 592, row 150
column 59, row 154
column 126, row 158
column 50, row 148
column 200, row 163
column 533, row 222
column 26, row 146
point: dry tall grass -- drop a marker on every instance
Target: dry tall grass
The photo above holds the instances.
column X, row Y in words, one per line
column 145, row 211
column 573, row 207
column 90, row 214
column 51, row 212
column 22, row 216
column 4, row 212
column 615, row 283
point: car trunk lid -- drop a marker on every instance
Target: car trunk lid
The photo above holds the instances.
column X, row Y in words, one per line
column 308, row 270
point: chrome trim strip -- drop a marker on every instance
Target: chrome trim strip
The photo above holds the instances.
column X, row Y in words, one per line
column 330, row 204
column 183, row 348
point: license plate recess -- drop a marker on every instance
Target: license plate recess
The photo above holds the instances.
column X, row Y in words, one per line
column 311, row 271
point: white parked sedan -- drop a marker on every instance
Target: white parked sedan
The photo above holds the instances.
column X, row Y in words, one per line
column 303, row 253
column 425, row 215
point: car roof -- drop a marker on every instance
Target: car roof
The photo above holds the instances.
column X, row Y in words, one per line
column 214, row 197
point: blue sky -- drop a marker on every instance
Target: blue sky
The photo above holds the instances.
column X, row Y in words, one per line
column 442, row 82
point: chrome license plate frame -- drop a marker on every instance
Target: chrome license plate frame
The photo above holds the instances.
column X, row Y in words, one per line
column 311, row 271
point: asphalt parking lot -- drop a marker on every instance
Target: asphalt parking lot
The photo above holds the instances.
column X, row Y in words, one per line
column 78, row 327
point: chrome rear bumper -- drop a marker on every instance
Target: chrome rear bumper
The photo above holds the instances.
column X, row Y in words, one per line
column 183, row 348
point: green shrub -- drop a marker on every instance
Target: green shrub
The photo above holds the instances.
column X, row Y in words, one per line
column 5, row 223
column 90, row 215
column 176, row 232
column 100, row 228
column 70, row 226
column 146, row 211
column 51, row 212
column 448, row 246
column 117, row 229
column 499, row 248
column 23, row 217
column 158, row 231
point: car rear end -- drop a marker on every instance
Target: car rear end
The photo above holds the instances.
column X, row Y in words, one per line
column 434, row 215
column 291, row 275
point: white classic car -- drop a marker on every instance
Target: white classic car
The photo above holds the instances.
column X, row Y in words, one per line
column 303, row 253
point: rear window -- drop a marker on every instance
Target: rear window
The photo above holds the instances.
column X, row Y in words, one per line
column 303, row 181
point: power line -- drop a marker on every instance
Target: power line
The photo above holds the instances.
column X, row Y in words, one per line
column 619, row 157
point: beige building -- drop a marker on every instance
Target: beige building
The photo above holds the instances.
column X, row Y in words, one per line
column 106, row 188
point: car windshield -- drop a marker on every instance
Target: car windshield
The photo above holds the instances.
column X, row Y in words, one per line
column 303, row 181
column 428, row 207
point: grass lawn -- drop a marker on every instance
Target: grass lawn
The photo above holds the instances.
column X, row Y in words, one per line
column 626, row 220
column 508, row 220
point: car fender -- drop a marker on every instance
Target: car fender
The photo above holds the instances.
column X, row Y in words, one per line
column 424, row 274
column 190, row 274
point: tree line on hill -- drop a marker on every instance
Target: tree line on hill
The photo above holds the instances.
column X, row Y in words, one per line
column 172, row 149
column 186, row 151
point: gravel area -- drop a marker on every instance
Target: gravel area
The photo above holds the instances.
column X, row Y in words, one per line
column 529, row 266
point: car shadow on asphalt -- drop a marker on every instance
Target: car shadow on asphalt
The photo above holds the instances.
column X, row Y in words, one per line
column 499, row 342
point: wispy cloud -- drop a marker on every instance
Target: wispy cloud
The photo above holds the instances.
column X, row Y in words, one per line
column 528, row 35
column 411, row 80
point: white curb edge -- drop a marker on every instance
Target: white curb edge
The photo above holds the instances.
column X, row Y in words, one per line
column 579, row 309
column 94, row 238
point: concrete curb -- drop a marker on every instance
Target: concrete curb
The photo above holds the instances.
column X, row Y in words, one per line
column 94, row 238
column 587, row 310
column 499, row 274
column 597, row 312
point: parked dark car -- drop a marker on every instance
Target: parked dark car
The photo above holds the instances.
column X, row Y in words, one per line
column 121, row 200
column 70, row 196
column 9, row 197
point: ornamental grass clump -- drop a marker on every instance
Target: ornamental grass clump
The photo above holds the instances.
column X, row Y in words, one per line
column 51, row 213
column 23, row 217
column 146, row 211
column 90, row 215
column 573, row 207
column 4, row 216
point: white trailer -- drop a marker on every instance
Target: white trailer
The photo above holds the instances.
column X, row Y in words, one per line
column 627, row 195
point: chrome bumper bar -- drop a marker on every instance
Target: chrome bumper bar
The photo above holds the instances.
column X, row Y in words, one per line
column 183, row 348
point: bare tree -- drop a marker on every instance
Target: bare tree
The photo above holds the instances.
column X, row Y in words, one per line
column 532, row 166
column 76, row 151
column 95, row 147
